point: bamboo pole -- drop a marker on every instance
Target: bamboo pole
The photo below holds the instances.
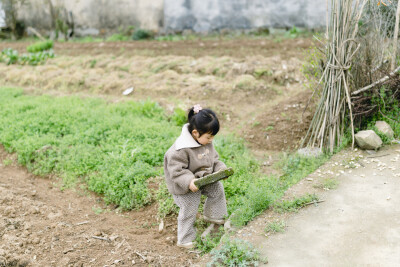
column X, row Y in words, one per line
column 327, row 125
column 395, row 37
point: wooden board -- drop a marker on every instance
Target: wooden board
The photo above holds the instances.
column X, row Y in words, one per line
column 214, row 177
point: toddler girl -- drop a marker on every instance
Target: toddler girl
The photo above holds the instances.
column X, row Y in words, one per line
column 193, row 156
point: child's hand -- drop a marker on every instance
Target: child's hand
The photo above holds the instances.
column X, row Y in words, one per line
column 193, row 187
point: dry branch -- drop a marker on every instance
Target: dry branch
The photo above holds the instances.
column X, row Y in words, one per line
column 384, row 79
column 101, row 238
column 396, row 33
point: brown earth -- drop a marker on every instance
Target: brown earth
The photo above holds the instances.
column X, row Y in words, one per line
column 42, row 225
column 239, row 48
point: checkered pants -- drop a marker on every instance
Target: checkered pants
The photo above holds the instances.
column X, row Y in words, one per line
column 214, row 207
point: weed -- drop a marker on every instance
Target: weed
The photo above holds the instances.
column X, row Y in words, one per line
column 328, row 184
column 387, row 107
column 141, row 34
column 296, row 167
column 117, row 37
column 385, row 139
column 276, row 227
column 269, row 128
column 179, row 117
column 235, row 253
column 258, row 73
column 93, row 63
column 293, row 30
column 295, row 204
column 7, row 162
column 97, row 210
column 165, row 201
column 125, row 68
column 40, row 46
column 210, row 242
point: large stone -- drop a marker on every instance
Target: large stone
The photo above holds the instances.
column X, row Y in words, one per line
column 368, row 140
column 385, row 128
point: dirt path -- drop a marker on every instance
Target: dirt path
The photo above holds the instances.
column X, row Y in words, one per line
column 358, row 224
column 41, row 225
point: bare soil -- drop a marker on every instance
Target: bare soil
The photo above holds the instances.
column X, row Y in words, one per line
column 42, row 225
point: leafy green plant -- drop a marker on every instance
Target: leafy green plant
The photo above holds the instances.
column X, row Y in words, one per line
column 11, row 56
column 7, row 162
column 117, row 37
column 179, row 117
column 113, row 148
column 386, row 102
column 294, row 30
column 295, row 204
column 93, row 63
column 276, row 227
column 141, row 34
column 165, row 201
column 210, row 242
column 235, row 253
column 40, row 46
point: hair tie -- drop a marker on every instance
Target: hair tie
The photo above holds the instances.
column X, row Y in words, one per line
column 197, row 108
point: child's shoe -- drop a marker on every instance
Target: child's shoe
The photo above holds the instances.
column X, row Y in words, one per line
column 211, row 220
column 186, row 245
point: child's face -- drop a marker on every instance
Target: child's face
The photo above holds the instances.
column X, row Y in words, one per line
column 204, row 139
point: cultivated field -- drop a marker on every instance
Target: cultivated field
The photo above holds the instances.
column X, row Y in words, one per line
column 255, row 85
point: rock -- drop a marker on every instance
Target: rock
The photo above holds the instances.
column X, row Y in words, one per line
column 385, row 128
column 313, row 152
column 9, row 211
column 368, row 140
column 53, row 215
column 149, row 259
column 34, row 210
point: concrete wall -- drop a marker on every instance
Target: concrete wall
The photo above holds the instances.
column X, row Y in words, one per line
column 2, row 17
column 98, row 16
column 205, row 15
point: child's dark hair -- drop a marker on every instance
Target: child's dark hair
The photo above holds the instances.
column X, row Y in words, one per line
column 205, row 121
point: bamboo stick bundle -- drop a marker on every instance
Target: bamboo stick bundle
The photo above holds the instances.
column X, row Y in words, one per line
column 334, row 108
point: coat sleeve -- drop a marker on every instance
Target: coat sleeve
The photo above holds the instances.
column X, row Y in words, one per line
column 177, row 169
column 218, row 165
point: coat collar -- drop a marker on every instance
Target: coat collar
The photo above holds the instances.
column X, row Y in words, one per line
column 185, row 140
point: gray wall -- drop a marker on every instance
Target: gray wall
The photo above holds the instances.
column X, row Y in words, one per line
column 2, row 17
column 98, row 16
column 205, row 15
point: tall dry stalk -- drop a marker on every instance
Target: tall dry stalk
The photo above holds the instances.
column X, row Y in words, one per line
column 396, row 34
column 334, row 109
